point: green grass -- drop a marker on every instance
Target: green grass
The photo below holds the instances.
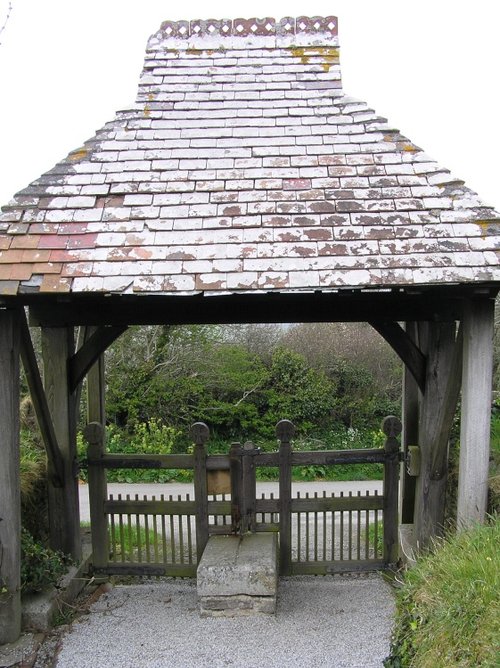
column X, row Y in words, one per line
column 494, row 481
column 449, row 605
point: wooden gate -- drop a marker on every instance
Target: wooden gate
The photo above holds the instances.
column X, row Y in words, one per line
column 319, row 534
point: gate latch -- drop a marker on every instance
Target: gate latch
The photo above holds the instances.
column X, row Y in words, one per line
column 413, row 461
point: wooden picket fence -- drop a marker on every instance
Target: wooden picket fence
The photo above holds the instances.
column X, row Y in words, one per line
column 320, row 533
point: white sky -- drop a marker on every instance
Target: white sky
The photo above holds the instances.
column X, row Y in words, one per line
column 432, row 67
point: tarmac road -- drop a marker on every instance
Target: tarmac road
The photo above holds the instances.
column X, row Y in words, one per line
column 175, row 489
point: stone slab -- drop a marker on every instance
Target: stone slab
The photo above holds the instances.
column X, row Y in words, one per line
column 239, row 566
column 236, row 606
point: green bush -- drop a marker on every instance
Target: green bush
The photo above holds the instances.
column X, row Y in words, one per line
column 41, row 567
column 448, row 609
column 152, row 437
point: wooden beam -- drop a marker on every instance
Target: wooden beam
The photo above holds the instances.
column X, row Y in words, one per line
column 409, row 436
column 98, row 495
column 478, row 325
column 199, row 434
column 404, row 346
column 96, row 390
column 391, row 427
column 90, row 352
column 64, row 516
column 437, row 303
column 43, row 416
column 10, row 507
column 446, row 413
column 430, row 491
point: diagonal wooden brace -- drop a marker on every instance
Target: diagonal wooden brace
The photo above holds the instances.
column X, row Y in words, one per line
column 39, row 399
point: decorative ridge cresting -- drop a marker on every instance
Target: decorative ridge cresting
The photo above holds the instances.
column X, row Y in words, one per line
column 267, row 26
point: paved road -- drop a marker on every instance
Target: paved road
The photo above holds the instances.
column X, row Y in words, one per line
column 262, row 488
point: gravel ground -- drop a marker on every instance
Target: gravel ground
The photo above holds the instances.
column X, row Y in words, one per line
column 335, row 622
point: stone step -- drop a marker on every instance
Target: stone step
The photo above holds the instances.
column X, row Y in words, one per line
column 238, row 575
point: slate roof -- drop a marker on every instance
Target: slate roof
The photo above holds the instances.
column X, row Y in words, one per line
column 243, row 167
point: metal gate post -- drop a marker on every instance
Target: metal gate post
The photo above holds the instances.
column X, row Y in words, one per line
column 391, row 427
column 98, row 493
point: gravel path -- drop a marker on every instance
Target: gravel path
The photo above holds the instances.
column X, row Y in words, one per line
column 334, row 622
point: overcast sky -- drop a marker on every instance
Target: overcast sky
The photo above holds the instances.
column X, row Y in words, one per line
column 432, row 67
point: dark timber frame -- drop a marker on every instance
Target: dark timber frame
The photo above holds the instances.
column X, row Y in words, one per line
column 446, row 344
column 317, row 535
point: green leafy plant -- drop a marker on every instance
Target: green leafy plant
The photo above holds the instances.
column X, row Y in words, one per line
column 41, row 567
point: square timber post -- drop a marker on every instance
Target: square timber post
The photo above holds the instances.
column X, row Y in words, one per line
column 478, row 326
column 64, row 512
column 10, row 506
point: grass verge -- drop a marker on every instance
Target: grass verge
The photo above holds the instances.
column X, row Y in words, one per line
column 448, row 609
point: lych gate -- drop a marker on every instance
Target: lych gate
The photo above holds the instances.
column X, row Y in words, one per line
column 317, row 535
column 244, row 186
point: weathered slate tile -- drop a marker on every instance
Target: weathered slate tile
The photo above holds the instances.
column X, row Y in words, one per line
column 243, row 166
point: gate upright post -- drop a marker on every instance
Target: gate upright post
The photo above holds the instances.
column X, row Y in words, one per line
column 98, row 493
column 248, row 499
column 236, row 484
column 199, row 433
column 391, row 428
column 284, row 432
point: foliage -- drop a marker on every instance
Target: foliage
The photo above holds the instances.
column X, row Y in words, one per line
column 152, row 437
column 33, row 474
column 494, row 481
column 448, row 609
column 242, row 379
column 41, row 567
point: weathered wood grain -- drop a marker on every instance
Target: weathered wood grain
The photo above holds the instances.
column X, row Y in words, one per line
column 478, row 325
column 40, row 405
column 200, row 433
column 409, row 435
column 391, row 428
column 64, row 516
column 98, row 492
column 284, row 433
column 10, row 510
column 439, row 344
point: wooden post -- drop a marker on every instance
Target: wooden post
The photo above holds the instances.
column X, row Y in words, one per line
column 98, row 493
column 64, row 515
column 10, row 508
column 409, row 435
column 478, row 326
column 391, row 428
column 236, row 484
column 248, row 487
column 430, row 490
column 96, row 398
column 199, row 433
column 284, row 433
